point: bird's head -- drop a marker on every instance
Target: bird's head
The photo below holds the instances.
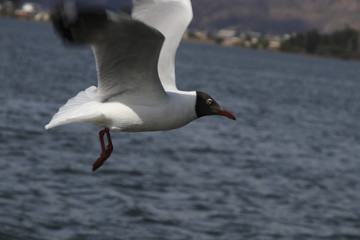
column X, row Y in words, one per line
column 206, row 105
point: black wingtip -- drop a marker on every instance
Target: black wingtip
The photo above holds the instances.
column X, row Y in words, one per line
column 63, row 15
column 78, row 22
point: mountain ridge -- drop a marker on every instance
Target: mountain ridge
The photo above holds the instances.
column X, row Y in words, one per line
column 266, row 16
column 277, row 16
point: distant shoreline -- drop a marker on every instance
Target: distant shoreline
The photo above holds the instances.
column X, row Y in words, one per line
column 238, row 44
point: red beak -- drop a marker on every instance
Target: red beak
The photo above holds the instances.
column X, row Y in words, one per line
column 226, row 114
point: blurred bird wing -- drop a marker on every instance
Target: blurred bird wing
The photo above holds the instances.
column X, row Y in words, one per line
column 171, row 18
column 126, row 50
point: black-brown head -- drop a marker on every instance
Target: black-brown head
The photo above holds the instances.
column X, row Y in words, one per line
column 206, row 105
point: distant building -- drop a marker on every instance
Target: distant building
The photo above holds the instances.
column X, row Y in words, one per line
column 286, row 37
column 42, row 17
column 226, row 33
column 30, row 7
column 274, row 45
column 200, row 35
column 254, row 40
column 31, row 10
column 233, row 41
column 253, row 34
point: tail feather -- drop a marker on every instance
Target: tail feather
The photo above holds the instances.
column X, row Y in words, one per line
column 81, row 108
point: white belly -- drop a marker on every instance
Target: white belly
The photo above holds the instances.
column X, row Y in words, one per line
column 175, row 113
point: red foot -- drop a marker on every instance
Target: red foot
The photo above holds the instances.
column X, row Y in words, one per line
column 105, row 152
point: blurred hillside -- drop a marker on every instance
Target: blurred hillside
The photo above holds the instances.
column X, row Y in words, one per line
column 276, row 16
column 264, row 16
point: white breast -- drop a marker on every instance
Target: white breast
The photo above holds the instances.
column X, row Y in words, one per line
column 174, row 112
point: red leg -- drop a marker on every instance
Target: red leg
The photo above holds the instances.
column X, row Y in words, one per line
column 105, row 152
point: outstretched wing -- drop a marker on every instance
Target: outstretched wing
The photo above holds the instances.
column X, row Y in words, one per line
column 171, row 18
column 126, row 50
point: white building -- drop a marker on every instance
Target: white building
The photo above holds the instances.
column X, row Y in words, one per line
column 29, row 7
column 226, row 33
column 42, row 17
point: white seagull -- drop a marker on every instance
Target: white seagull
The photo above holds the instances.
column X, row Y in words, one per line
column 135, row 60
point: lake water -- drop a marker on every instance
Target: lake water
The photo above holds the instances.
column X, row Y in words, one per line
column 288, row 168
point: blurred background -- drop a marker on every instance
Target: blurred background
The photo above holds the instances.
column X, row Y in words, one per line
column 321, row 27
column 287, row 169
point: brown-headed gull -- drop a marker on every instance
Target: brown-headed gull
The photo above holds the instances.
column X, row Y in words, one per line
column 135, row 60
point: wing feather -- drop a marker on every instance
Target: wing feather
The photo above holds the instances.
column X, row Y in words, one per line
column 126, row 50
column 127, row 61
column 171, row 18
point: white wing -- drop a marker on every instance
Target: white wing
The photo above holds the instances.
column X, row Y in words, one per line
column 126, row 61
column 171, row 18
column 126, row 50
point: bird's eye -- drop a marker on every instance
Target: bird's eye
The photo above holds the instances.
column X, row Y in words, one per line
column 209, row 101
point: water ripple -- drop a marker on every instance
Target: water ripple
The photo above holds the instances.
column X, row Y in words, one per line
column 287, row 169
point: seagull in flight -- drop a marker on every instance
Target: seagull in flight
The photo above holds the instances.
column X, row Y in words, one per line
column 135, row 61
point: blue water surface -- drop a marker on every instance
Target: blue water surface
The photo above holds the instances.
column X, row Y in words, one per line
column 288, row 168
